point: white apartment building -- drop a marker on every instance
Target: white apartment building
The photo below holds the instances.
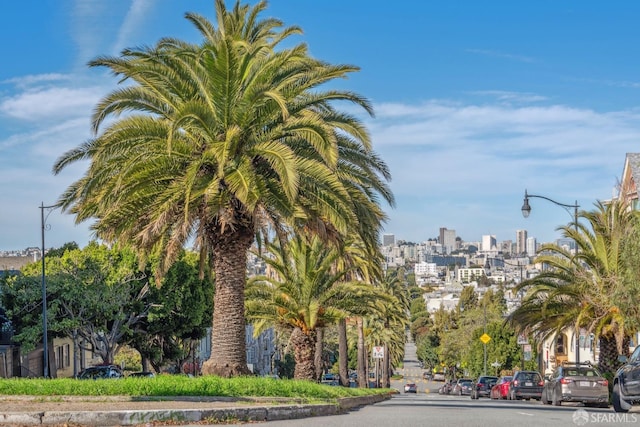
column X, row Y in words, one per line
column 468, row 275
column 424, row 269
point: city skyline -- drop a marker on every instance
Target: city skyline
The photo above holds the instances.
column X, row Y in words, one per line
column 474, row 103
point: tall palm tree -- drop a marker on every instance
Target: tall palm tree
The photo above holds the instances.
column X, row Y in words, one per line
column 303, row 292
column 582, row 289
column 220, row 142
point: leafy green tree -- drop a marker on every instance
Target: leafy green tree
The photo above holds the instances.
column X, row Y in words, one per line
column 178, row 317
column 468, row 298
column 427, row 351
column 220, row 141
column 96, row 294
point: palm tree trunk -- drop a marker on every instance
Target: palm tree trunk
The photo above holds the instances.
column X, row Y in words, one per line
column 318, row 354
column 343, row 353
column 608, row 359
column 386, row 382
column 363, row 380
column 304, row 350
column 609, row 352
column 228, row 346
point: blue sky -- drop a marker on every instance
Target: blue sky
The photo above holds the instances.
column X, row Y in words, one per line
column 475, row 101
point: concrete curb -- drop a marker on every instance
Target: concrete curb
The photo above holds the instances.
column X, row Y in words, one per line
column 135, row 417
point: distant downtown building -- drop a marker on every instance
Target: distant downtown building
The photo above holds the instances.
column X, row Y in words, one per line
column 521, row 242
column 388, row 239
column 532, row 246
column 448, row 240
column 488, row 243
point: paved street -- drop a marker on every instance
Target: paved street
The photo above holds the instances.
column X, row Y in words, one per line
column 460, row 411
column 427, row 407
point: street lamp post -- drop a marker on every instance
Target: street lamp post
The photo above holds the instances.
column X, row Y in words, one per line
column 526, row 210
column 45, row 346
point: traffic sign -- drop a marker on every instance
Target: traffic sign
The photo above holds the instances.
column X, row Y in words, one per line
column 485, row 338
column 378, row 352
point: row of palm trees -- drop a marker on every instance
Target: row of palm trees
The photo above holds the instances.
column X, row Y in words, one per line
column 594, row 287
column 312, row 286
column 230, row 141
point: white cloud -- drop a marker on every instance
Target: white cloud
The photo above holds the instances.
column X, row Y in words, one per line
column 137, row 12
column 458, row 165
column 50, row 103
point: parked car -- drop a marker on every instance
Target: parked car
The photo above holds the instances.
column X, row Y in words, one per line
column 330, row 379
column 438, row 376
column 482, row 386
column 526, row 385
column 142, row 374
column 572, row 382
column 410, row 388
column 626, row 383
column 100, row 371
column 426, row 375
column 500, row 390
column 462, row 387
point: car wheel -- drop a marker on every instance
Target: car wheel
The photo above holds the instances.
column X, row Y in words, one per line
column 554, row 398
column 619, row 404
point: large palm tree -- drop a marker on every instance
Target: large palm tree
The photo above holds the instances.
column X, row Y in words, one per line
column 303, row 292
column 217, row 143
column 583, row 289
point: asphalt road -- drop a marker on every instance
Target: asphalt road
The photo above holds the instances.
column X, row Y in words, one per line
column 432, row 409
column 428, row 408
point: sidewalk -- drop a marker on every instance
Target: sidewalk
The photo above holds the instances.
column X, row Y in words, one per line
column 123, row 411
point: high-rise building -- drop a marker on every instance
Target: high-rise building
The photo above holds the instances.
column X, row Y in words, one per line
column 532, row 246
column 521, row 241
column 488, row 243
column 388, row 239
column 506, row 247
column 448, row 240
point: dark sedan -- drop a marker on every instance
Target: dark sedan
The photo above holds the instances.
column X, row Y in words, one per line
column 462, row 387
column 526, row 385
column 482, row 386
column 626, row 383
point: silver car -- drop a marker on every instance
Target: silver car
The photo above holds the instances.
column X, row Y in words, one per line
column 572, row 382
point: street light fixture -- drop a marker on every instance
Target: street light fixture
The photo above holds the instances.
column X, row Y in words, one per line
column 45, row 338
column 526, row 210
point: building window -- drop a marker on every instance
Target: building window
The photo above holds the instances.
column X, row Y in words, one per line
column 560, row 344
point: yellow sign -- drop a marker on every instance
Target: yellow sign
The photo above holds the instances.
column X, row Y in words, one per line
column 485, row 338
